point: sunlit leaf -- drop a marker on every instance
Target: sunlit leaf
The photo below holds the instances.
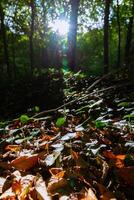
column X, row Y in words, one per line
column 68, row 136
column 25, row 162
column 2, row 181
column 24, row 119
column 91, row 195
column 13, row 148
column 51, row 158
column 57, row 172
column 123, row 104
column 8, row 195
column 100, row 124
column 41, row 190
column 60, row 121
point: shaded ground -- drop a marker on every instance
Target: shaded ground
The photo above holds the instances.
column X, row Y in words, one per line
column 82, row 150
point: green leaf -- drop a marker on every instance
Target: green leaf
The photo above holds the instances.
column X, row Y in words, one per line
column 128, row 116
column 60, row 121
column 123, row 104
column 36, row 108
column 100, row 124
column 24, row 119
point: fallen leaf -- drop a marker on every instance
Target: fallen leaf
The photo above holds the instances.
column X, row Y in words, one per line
column 25, row 162
column 8, row 195
column 104, row 193
column 41, row 190
column 13, row 148
column 2, row 181
column 55, row 184
column 16, row 187
column 91, row 195
column 109, row 154
column 57, row 172
column 127, row 175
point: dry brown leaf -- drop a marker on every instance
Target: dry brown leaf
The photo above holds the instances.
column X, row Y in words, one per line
column 108, row 154
column 127, row 175
column 104, row 193
column 25, row 162
column 74, row 155
column 56, row 184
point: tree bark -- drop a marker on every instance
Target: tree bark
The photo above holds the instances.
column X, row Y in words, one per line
column 13, row 56
column 119, row 35
column 106, row 36
column 31, row 46
column 129, row 37
column 72, row 35
column 5, row 44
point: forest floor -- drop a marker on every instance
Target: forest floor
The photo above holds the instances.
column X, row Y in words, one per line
column 82, row 150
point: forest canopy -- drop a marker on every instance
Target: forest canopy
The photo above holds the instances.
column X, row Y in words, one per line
column 95, row 36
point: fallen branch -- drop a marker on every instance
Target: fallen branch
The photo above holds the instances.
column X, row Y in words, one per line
column 83, row 97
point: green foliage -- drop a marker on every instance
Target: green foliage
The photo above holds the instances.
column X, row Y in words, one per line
column 124, row 104
column 24, row 119
column 36, row 108
column 100, row 124
column 60, row 121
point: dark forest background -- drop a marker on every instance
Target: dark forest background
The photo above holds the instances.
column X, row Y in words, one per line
column 100, row 40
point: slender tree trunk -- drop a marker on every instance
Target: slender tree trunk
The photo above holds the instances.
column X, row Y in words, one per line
column 129, row 37
column 13, row 56
column 72, row 35
column 5, row 44
column 31, row 46
column 106, row 36
column 128, row 56
column 45, row 57
column 119, row 35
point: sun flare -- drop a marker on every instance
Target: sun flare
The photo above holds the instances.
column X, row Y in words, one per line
column 60, row 26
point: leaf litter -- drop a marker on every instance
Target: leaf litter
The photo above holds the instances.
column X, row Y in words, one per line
column 83, row 150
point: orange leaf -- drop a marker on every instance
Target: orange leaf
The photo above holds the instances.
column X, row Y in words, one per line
column 74, row 155
column 109, row 154
column 120, row 161
column 16, row 187
column 127, row 175
column 25, row 162
column 13, row 148
column 57, row 172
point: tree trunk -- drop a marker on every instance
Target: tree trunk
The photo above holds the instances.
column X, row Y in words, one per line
column 106, row 36
column 5, row 44
column 129, row 37
column 129, row 63
column 119, row 35
column 44, row 57
column 31, row 46
column 14, row 56
column 72, row 35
